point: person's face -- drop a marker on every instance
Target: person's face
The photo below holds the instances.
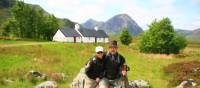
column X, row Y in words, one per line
column 99, row 54
column 113, row 50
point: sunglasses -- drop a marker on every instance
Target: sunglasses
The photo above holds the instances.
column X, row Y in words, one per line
column 99, row 52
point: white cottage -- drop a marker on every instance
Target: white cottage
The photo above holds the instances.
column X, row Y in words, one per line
column 67, row 35
column 79, row 34
column 101, row 36
column 88, row 36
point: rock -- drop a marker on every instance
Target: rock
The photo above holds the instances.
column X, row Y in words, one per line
column 57, row 76
column 78, row 81
column 189, row 82
column 35, row 74
column 47, row 84
column 139, row 84
column 196, row 69
column 7, row 81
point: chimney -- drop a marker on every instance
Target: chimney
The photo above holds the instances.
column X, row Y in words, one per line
column 96, row 28
column 77, row 27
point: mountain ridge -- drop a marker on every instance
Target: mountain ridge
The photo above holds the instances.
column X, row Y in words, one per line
column 115, row 24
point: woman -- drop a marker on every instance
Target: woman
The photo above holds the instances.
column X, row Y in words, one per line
column 94, row 69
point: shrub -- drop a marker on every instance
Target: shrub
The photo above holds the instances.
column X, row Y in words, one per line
column 161, row 38
column 125, row 37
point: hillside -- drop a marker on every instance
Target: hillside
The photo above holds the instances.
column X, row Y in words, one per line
column 183, row 32
column 191, row 35
column 52, row 57
column 91, row 23
column 5, row 13
column 194, row 36
column 115, row 24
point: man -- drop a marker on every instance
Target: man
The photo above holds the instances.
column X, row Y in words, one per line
column 95, row 69
column 115, row 75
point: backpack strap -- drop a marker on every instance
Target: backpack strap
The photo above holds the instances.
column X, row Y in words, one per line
column 118, row 57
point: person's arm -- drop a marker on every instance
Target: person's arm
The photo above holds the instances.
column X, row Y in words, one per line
column 88, row 65
column 123, row 66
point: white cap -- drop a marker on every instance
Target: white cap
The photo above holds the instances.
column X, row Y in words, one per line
column 99, row 49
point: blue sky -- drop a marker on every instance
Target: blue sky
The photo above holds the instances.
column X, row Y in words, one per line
column 184, row 14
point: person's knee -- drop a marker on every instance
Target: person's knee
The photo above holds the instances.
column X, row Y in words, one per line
column 103, row 83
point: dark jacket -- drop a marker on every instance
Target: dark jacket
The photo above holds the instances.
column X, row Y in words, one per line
column 113, row 65
column 96, row 68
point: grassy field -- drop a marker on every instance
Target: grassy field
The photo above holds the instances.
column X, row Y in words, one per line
column 16, row 61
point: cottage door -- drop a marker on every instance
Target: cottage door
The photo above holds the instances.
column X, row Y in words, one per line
column 74, row 39
column 95, row 39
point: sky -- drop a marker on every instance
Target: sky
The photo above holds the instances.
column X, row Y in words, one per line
column 184, row 14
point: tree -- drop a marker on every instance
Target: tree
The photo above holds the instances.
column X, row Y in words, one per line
column 161, row 38
column 7, row 3
column 30, row 22
column 125, row 37
column 50, row 27
column 10, row 28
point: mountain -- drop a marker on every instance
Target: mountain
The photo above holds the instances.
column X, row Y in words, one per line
column 191, row 35
column 5, row 13
column 183, row 32
column 195, row 35
column 91, row 23
column 115, row 25
column 64, row 22
column 196, row 32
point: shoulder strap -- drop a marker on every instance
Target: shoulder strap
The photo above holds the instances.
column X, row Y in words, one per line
column 118, row 58
column 94, row 60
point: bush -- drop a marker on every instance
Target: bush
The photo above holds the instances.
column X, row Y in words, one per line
column 125, row 37
column 161, row 38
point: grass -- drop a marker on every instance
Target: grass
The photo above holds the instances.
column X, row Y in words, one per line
column 68, row 58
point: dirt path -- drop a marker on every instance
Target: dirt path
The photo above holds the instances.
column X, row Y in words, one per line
column 25, row 44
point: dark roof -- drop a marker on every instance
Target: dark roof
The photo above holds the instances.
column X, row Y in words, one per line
column 69, row 32
column 87, row 32
column 92, row 33
column 101, row 34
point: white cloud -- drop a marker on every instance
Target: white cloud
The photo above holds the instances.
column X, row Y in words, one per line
column 81, row 10
column 196, row 1
column 77, row 10
column 144, row 16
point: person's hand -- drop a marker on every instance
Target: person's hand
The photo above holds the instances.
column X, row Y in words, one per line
column 88, row 65
column 124, row 73
column 97, row 80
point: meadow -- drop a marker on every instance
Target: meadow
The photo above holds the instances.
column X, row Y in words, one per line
column 68, row 58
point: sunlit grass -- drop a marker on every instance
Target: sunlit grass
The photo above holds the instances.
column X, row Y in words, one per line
column 68, row 58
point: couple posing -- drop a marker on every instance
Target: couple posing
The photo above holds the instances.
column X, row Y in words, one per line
column 106, row 70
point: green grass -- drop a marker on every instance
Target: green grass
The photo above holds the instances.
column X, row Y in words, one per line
column 68, row 58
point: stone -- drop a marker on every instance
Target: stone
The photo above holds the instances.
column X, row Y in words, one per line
column 190, row 82
column 35, row 74
column 47, row 84
column 139, row 84
column 57, row 76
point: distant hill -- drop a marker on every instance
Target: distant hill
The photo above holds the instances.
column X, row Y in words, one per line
column 91, row 23
column 5, row 13
column 195, row 35
column 183, row 32
column 115, row 24
column 191, row 35
column 7, row 3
